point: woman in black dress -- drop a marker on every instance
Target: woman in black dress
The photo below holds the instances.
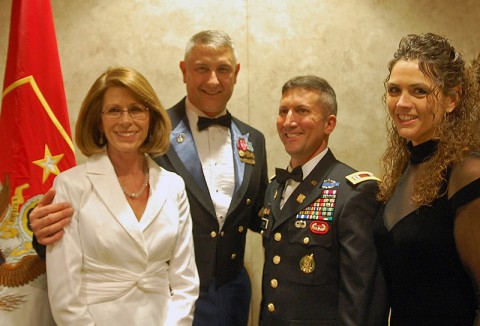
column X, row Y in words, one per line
column 428, row 232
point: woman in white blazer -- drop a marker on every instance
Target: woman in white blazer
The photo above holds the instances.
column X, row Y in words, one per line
column 127, row 256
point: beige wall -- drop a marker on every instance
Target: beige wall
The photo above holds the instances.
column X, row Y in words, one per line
column 347, row 42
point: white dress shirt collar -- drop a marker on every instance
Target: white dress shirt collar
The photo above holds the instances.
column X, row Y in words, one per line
column 193, row 113
column 307, row 168
column 311, row 164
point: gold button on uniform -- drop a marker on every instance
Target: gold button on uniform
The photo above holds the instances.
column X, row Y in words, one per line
column 277, row 236
column 222, row 233
column 276, row 260
column 306, row 240
column 233, row 256
column 274, row 283
column 240, row 229
column 271, row 307
column 248, row 201
column 213, row 234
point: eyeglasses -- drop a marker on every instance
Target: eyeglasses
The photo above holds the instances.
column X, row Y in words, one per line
column 136, row 112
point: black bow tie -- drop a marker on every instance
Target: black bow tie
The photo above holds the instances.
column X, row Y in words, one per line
column 224, row 120
column 283, row 175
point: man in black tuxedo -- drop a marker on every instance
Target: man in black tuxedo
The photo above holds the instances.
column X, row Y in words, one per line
column 223, row 163
column 320, row 262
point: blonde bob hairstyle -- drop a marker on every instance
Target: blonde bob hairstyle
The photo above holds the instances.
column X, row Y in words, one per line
column 89, row 138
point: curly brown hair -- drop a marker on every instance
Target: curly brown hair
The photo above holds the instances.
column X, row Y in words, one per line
column 458, row 131
column 476, row 67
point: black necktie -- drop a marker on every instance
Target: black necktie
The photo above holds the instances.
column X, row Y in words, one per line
column 283, row 175
column 224, row 120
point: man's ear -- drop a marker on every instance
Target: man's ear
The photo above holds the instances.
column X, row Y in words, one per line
column 237, row 69
column 183, row 68
column 330, row 123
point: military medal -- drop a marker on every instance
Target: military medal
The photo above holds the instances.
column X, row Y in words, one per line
column 323, row 207
column 307, row 264
column 319, row 227
column 300, row 224
column 329, row 184
column 245, row 151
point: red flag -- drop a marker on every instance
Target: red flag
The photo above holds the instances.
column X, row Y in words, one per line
column 35, row 145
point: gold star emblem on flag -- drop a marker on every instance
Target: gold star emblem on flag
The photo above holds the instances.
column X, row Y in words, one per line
column 49, row 163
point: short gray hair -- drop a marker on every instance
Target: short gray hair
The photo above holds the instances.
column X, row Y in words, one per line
column 213, row 39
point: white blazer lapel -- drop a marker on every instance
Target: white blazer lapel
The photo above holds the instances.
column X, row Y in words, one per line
column 157, row 196
column 104, row 180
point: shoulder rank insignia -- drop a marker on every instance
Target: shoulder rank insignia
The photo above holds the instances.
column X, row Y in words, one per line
column 361, row 176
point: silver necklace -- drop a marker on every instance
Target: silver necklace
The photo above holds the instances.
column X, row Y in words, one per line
column 135, row 195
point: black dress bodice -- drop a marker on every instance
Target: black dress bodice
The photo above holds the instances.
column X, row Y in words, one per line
column 426, row 281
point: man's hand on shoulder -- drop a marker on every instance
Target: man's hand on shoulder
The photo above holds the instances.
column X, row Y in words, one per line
column 48, row 220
